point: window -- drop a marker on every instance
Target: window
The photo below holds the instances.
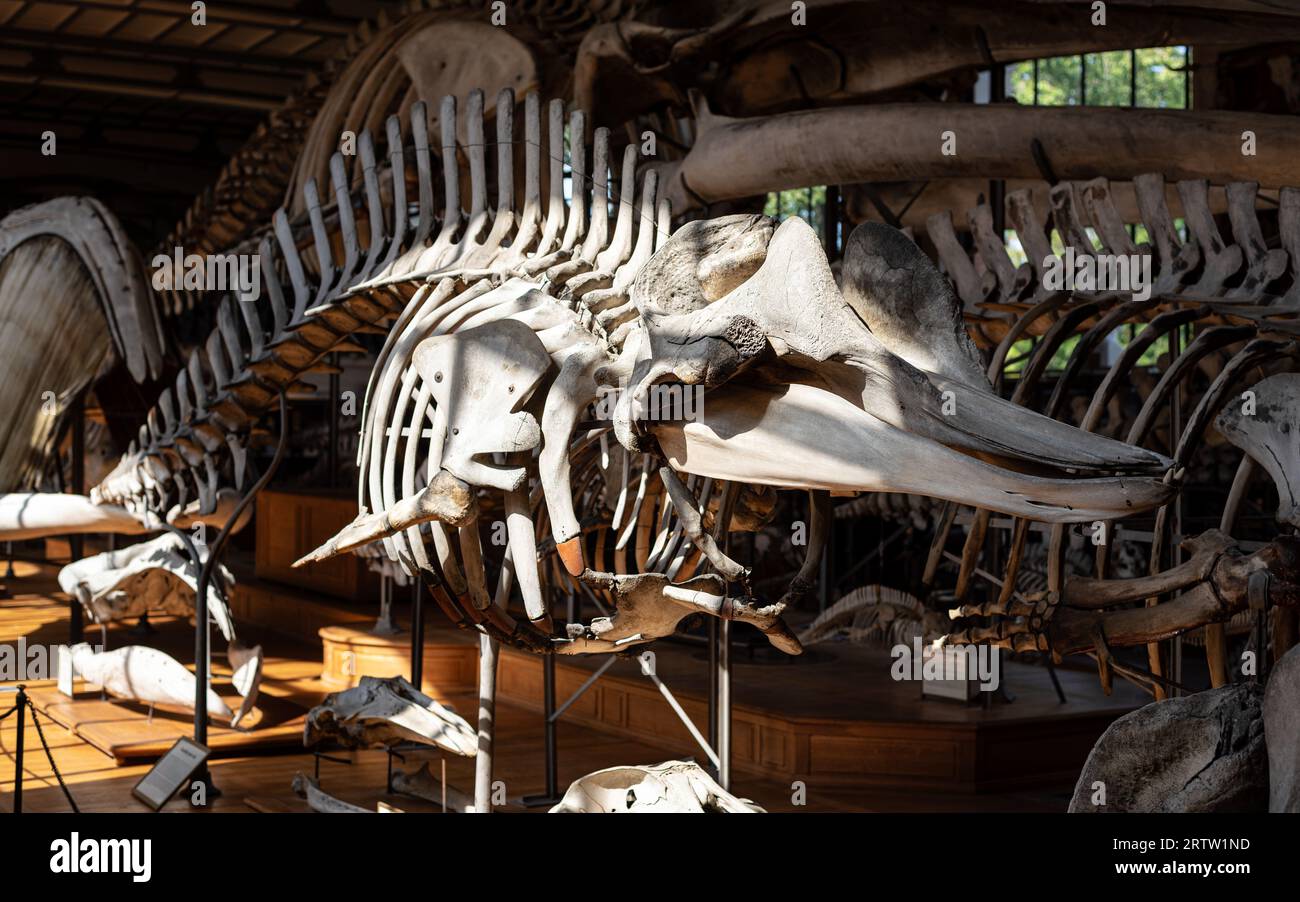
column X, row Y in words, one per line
column 810, row 204
column 1150, row 77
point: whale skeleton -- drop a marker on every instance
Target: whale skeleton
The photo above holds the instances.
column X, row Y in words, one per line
column 507, row 322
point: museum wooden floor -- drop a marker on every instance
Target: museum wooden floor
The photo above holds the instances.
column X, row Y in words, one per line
column 38, row 612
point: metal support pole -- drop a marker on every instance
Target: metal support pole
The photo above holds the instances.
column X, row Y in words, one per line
column 713, row 683
column 549, row 717
column 548, row 706
column 724, row 706
column 487, row 704
column 1175, row 433
column 201, row 636
column 76, row 544
column 332, row 451
column 587, row 684
column 998, row 187
column 21, row 714
column 417, row 633
column 646, row 661
column 215, row 549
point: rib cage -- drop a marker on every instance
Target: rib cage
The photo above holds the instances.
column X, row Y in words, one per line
column 428, row 274
column 1242, row 296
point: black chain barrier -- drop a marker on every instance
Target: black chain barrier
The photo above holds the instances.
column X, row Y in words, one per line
column 24, row 702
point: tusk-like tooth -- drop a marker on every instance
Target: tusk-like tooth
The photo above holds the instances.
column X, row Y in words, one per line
column 447, row 500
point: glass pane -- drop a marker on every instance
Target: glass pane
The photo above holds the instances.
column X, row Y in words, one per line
column 1159, row 81
column 1014, row 249
column 1020, row 83
column 1058, row 80
column 807, row 203
column 1108, row 78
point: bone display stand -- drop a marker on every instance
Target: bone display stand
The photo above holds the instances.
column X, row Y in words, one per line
column 719, row 713
column 551, row 796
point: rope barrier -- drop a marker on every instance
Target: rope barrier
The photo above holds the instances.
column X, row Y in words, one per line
column 50, row 757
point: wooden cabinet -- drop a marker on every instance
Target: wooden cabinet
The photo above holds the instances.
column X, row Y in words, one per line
column 290, row 524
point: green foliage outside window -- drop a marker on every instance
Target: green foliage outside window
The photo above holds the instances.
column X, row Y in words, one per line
column 808, row 203
column 1107, row 78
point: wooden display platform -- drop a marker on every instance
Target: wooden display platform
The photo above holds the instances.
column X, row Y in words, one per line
column 450, row 659
column 123, row 729
column 833, row 719
column 832, row 686
column 837, row 719
column 833, row 716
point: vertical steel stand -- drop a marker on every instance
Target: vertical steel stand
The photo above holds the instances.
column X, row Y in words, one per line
column 332, row 451
column 1176, row 551
column 549, row 716
column 76, row 544
column 201, row 627
column 417, row 632
column 548, row 703
column 713, row 685
column 18, row 755
column 724, row 705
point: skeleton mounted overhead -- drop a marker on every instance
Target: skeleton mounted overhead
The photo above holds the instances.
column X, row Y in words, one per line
column 511, row 323
column 510, row 320
column 508, row 325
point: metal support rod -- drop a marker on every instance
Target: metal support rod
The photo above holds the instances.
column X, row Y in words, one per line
column 21, row 713
column 487, row 703
column 647, row 667
column 417, row 632
column 721, row 535
column 204, row 775
column 548, row 707
column 713, row 682
column 76, row 544
column 874, row 553
column 724, row 706
column 332, row 450
column 550, row 752
column 1175, row 430
column 998, row 187
column 587, row 684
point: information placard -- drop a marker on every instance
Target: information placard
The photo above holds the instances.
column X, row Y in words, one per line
column 171, row 772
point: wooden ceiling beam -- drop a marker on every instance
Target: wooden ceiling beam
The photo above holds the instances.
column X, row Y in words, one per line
column 100, row 84
column 234, row 13
column 23, row 39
